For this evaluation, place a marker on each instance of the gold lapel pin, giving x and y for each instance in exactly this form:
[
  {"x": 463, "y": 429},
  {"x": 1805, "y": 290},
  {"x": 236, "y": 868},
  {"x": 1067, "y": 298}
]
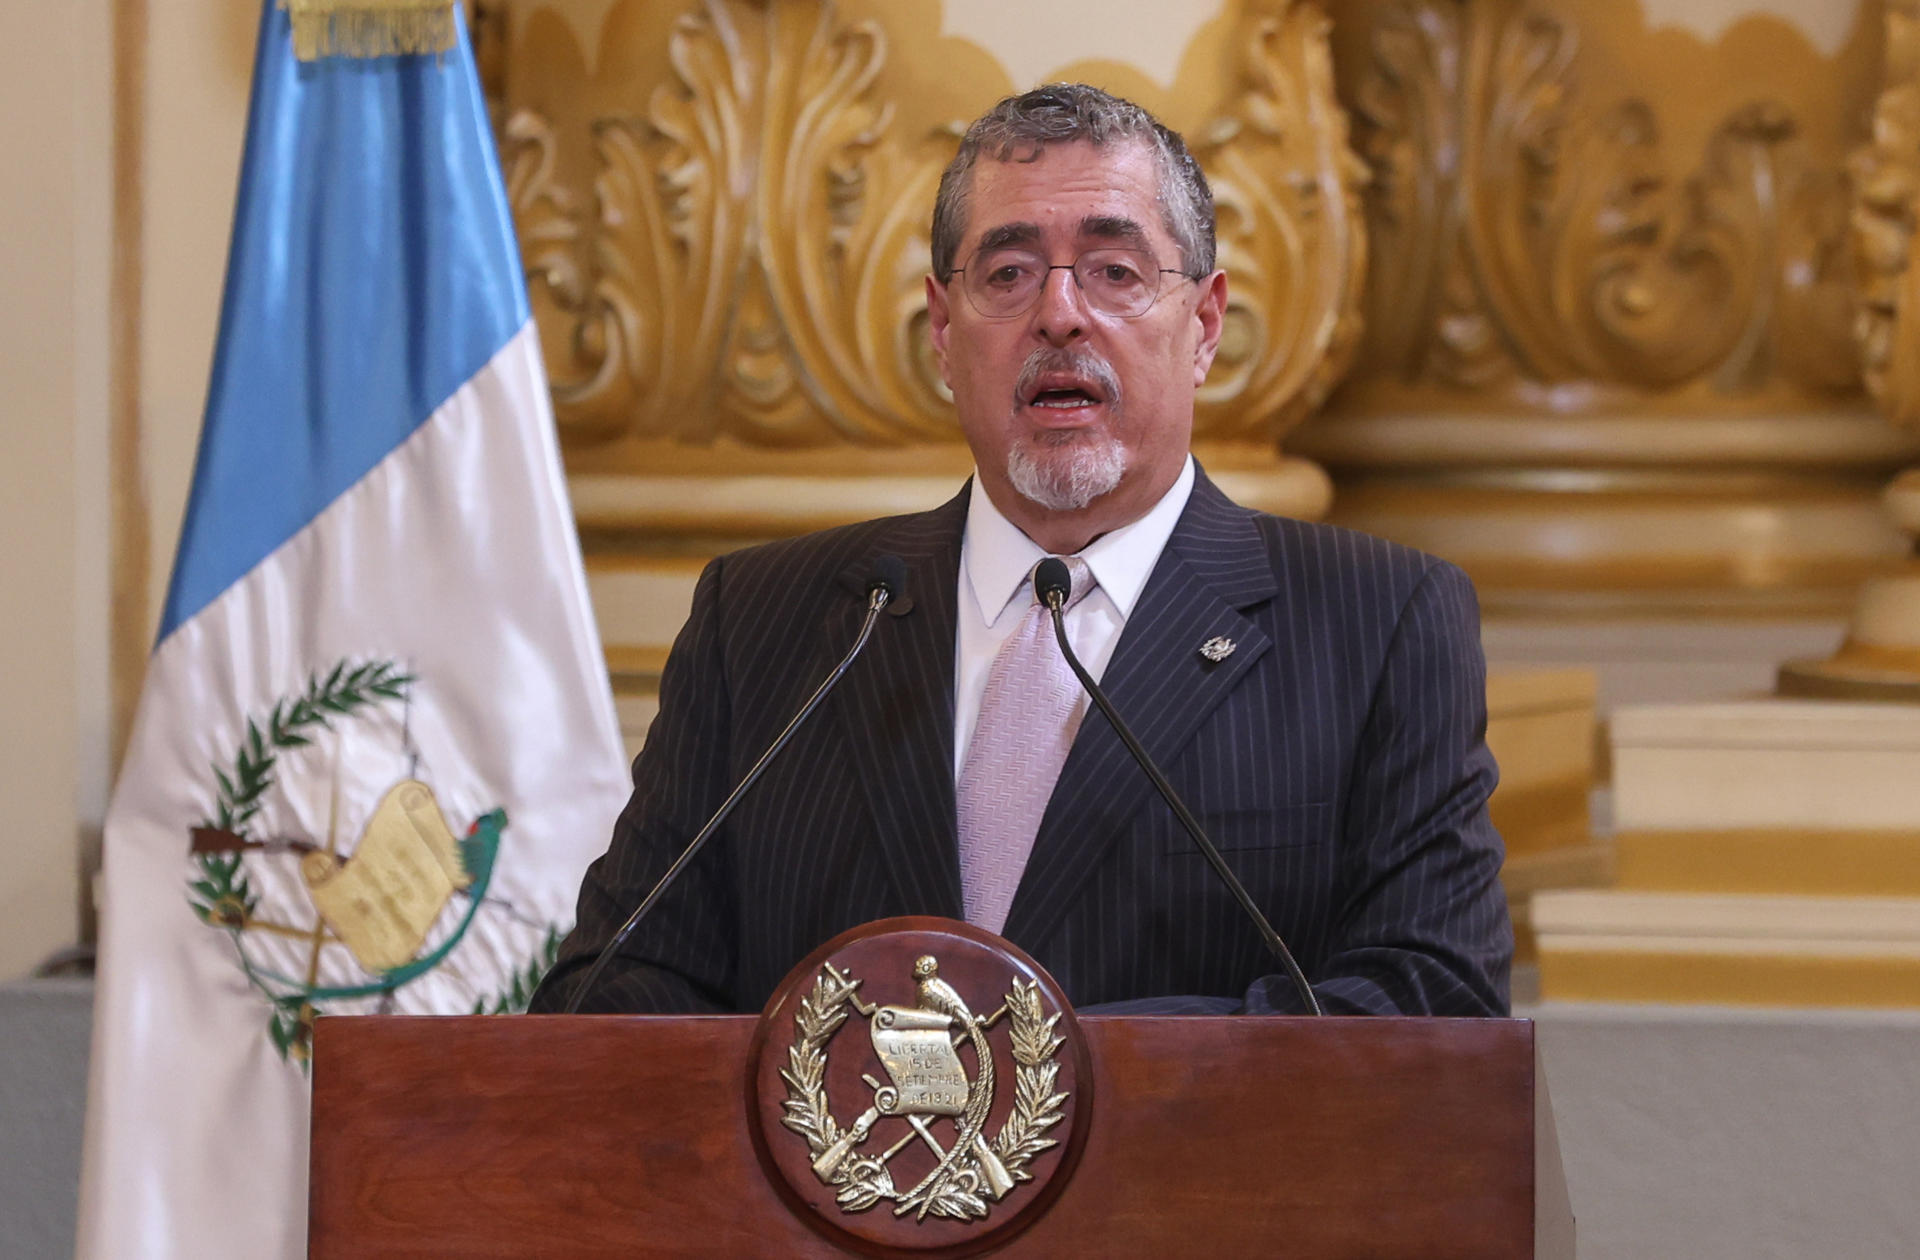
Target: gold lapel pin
[{"x": 1217, "y": 649}]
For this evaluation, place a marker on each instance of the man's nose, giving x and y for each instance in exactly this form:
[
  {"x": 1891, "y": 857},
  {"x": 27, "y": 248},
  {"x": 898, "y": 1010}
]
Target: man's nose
[{"x": 1060, "y": 317}]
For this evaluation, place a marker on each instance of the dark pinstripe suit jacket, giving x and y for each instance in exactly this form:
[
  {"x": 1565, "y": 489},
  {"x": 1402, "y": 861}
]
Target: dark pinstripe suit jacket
[{"x": 1336, "y": 757}]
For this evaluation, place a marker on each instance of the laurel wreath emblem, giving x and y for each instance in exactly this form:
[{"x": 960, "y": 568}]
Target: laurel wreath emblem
[{"x": 861, "y": 1180}]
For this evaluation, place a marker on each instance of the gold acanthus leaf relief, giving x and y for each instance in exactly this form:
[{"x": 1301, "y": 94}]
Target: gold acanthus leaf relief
[
  {"x": 1291, "y": 231},
  {"x": 1886, "y": 206},
  {"x": 749, "y": 259},
  {"x": 1518, "y": 235}
]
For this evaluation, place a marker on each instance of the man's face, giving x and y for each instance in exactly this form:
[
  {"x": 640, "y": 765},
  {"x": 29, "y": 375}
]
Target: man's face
[{"x": 1079, "y": 420}]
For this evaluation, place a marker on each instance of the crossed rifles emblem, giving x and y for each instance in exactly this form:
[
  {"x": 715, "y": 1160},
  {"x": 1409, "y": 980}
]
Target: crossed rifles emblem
[{"x": 919, "y": 1048}]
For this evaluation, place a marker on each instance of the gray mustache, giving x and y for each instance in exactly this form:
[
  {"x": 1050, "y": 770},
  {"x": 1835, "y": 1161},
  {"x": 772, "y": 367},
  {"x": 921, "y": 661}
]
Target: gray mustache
[{"x": 1085, "y": 364}]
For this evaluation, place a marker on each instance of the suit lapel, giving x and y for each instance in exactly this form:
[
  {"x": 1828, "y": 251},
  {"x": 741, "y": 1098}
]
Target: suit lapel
[
  {"x": 1214, "y": 566},
  {"x": 898, "y": 719}
]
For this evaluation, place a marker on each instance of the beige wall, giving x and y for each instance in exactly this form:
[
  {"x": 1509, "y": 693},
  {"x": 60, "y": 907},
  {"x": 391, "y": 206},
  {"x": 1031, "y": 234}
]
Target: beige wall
[
  {"x": 55, "y": 77},
  {"x": 57, "y": 68},
  {"x": 1826, "y": 22},
  {"x": 199, "y": 66},
  {"x": 1033, "y": 41}
]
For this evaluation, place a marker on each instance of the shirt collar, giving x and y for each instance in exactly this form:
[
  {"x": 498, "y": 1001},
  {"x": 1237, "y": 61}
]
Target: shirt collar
[{"x": 997, "y": 557}]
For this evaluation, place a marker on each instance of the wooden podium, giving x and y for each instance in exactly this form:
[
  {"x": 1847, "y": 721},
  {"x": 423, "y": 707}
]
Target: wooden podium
[
  {"x": 626, "y": 1135},
  {"x": 603, "y": 1135}
]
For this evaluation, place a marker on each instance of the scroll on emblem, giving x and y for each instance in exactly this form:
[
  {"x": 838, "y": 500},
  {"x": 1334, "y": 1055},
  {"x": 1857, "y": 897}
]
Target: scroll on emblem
[
  {"x": 916, "y": 1048},
  {"x": 382, "y": 900}
]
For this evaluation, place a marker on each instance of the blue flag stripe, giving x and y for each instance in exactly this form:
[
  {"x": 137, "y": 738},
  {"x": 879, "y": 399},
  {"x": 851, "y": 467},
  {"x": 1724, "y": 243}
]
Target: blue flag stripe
[{"x": 373, "y": 271}]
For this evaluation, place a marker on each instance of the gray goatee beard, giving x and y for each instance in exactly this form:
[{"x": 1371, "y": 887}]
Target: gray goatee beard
[{"x": 1065, "y": 472}]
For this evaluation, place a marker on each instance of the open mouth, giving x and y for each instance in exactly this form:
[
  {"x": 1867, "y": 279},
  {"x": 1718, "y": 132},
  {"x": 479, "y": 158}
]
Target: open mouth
[
  {"x": 1063, "y": 391},
  {"x": 1064, "y": 399},
  {"x": 1067, "y": 385}
]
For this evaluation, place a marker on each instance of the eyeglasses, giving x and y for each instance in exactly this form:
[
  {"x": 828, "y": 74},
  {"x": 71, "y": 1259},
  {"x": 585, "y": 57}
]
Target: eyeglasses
[{"x": 1004, "y": 283}]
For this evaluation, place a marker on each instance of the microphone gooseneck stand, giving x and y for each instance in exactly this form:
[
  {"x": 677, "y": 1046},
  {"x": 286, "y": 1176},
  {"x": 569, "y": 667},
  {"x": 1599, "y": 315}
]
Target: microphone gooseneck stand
[
  {"x": 1053, "y": 583},
  {"x": 890, "y": 578}
]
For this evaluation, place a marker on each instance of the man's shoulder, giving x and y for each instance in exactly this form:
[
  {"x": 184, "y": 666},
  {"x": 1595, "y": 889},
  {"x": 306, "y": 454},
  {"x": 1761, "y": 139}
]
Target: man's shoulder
[
  {"x": 844, "y": 551},
  {"x": 1339, "y": 547},
  {"x": 1317, "y": 553},
  {"x": 1352, "y": 589}
]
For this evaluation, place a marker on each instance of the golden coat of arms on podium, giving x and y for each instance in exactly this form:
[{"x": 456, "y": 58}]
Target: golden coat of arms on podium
[
  {"x": 919, "y": 1047},
  {"x": 939, "y": 1118}
]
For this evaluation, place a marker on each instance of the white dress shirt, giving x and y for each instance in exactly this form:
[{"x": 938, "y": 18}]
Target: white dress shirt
[{"x": 995, "y": 561}]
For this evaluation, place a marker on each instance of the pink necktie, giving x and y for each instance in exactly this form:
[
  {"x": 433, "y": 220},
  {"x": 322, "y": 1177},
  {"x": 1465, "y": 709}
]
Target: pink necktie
[{"x": 1028, "y": 717}]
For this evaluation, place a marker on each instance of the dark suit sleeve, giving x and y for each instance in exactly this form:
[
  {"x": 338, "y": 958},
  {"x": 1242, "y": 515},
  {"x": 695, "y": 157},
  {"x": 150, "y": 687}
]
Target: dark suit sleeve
[
  {"x": 1421, "y": 925},
  {"x": 681, "y": 958}
]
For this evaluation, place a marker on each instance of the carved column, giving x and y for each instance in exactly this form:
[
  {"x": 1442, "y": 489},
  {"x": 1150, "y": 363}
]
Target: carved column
[
  {"x": 1881, "y": 655},
  {"x": 1610, "y": 356}
]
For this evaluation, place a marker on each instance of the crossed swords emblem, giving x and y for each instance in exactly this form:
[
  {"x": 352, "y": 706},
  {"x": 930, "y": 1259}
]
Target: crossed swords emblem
[{"x": 918, "y": 1045}]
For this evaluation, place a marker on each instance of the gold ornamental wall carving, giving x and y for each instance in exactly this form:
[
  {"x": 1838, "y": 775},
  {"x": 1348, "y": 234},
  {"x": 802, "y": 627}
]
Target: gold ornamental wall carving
[
  {"x": 1537, "y": 224},
  {"x": 1611, "y": 359},
  {"x": 1880, "y": 657},
  {"x": 1621, "y": 285},
  {"x": 724, "y": 207}
]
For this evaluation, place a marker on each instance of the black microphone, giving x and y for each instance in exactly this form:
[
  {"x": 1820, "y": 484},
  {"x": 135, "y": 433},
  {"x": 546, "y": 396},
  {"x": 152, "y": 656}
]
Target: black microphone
[
  {"x": 889, "y": 575},
  {"x": 888, "y": 583},
  {"x": 1052, "y": 585}
]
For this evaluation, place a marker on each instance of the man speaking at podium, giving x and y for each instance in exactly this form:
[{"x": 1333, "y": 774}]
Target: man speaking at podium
[{"x": 1315, "y": 696}]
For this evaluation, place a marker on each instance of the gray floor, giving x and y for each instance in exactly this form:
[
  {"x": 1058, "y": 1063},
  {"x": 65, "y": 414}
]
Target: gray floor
[
  {"x": 44, "y": 1026},
  {"x": 1707, "y": 1132},
  {"x": 1695, "y": 1133}
]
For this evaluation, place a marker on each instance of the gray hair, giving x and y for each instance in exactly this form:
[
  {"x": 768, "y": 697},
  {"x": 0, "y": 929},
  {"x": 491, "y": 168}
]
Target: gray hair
[{"x": 1020, "y": 128}]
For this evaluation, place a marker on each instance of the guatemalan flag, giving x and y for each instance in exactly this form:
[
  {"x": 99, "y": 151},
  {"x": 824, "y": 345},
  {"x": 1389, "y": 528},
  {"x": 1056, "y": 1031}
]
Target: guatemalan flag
[{"x": 376, "y": 747}]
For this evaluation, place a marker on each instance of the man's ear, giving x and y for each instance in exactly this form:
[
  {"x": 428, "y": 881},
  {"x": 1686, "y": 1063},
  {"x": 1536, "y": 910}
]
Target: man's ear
[
  {"x": 937, "y": 324},
  {"x": 1209, "y": 317}
]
